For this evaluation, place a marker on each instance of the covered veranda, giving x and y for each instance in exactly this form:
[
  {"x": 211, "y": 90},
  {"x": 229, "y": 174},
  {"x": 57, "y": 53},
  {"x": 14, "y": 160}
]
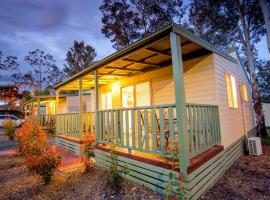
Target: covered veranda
[{"x": 139, "y": 103}]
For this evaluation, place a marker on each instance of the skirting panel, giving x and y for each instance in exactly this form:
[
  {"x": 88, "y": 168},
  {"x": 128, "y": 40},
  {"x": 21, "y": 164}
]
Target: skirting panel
[
  {"x": 145, "y": 174},
  {"x": 68, "y": 145},
  {"x": 199, "y": 181},
  {"x": 203, "y": 178}
]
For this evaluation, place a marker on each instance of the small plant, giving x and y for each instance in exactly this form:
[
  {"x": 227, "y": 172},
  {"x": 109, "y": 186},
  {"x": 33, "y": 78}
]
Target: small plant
[
  {"x": 9, "y": 128},
  {"x": 116, "y": 172},
  {"x": 175, "y": 188},
  {"x": 33, "y": 145},
  {"x": 89, "y": 154},
  {"x": 44, "y": 165}
]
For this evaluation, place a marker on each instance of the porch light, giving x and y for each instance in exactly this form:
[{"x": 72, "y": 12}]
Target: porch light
[{"x": 115, "y": 87}]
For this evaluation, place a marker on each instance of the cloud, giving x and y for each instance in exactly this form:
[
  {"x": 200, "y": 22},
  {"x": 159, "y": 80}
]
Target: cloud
[{"x": 51, "y": 26}]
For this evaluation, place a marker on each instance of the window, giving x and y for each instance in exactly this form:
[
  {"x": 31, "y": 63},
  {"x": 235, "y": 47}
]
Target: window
[
  {"x": 143, "y": 94},
  {"x": 127, "y": 97},
  {"x": 244, "y": 92},
  {"x": 231, "y": 90},
  {"x": 106, "y": 100}
]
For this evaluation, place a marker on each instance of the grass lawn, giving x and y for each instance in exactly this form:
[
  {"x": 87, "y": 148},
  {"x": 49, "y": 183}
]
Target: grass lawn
[{"x": 266, "y": 141}]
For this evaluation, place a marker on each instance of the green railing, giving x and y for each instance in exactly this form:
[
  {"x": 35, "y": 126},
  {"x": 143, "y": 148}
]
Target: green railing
[
  {"x": 47, "y": 121},
  {"x": 69, "y": 124},
  {"x": 153, "y": 129},
  {"x": 203, "y": 127},
  {"x": 150, "y": 129}
]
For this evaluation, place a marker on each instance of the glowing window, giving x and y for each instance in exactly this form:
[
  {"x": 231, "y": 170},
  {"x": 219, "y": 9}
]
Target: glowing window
[
  {"x": 244, "y": 92},
  {"x": 143, "y": 94},
  {"x": 231, "y": 90},
  {"x": 106, "y": 100}
]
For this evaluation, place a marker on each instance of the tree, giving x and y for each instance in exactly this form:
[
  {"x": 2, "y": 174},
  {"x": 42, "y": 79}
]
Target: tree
[
  {"x": 233, "y": 22},
  {"x": 9, "y": 94},
  {"x": 43, "y": 71},
  {"x": 126, "y": 21},
  {"x": 79, "y": 57},
  {"x": 9, "y": 64},
  {"x": 266, "y": 15},
  {"x": 264, "y": 80}
]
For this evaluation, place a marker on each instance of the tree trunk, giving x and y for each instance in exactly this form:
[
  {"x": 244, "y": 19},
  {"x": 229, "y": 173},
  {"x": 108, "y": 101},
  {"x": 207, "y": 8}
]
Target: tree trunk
[
  {"x": 257, "y": 105},
  {"x": 266, "y": 16}
]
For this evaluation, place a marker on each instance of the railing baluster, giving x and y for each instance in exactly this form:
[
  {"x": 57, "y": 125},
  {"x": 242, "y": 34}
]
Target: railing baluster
[
  {"x": 171, "y": 129},
  {"x": 121, "y": 128},
  {"x": 127, "y": 128},
  {"x": 146, "y": 131},
  {"x": 112, "y": 127},
  {"x": 133, "y": 129},
  {"x": 162, "y": 131},
  {"x": 154, "y": 130},
  {"x": 117, "y": 126},
  {"x": 139, "y": 129}
]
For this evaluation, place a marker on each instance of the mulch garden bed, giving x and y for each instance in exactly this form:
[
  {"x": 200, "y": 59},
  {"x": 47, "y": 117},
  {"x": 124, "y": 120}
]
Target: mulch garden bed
[
  {"x": 16, "y": 182},
  {"x": 247, "y": 178}
]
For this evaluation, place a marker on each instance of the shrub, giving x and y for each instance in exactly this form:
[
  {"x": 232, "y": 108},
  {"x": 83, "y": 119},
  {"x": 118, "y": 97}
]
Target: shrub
[
  {"x": 116, "y": 172},
  {"x": 175, "y": 188},
  {"x": 89, "y": 153},
  {"x": 33, "y": 145},
  {"x": 9, "y": 128},
  {"x": 44, "y": 164},
  {"x": 32, "y": 139}
]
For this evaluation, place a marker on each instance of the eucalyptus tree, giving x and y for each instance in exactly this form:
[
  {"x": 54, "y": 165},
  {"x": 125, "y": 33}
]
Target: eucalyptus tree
[
  {"x": 125, "y": 21},
  {"x": 79, "y": 57},
  {"x": 236, "y": 23},
  {"x": 42, "y": 71}
]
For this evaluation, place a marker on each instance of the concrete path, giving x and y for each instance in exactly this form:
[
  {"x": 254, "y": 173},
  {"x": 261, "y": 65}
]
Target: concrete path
[{"x": 5, "y": 143}]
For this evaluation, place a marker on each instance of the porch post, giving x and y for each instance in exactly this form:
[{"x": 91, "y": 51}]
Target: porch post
[
  {"x": 38, "y": 106},
  {"x": 80, "y": 108},
  {"x": 96, "y": 106},
  {"x": 56, "y": 111},
  {"x": 179, "y": 89}
]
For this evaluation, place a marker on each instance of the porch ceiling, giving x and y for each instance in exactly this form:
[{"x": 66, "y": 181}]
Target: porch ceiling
[{"x": 150, "y": 57}]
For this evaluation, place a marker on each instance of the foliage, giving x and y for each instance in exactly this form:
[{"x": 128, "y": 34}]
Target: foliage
[
  {"x": 79, "y": 57},
  {"x": 266, "y": 141},
  {"x": 236, "y": 23},
  {"x": 32, "y": 139},
  {"x": 89, "y": 154},
  {"x": 9, "y": 94},
  {"x": 126, "y": 21},
  {"x": 44, "y": 165},
  {"x": 264, "y": 80},
  {"x": 43, "y": 71},
  {"x": 33, "y": 145},
  {"x": 219, "y": 22},
  {"x": 116, "y": 172},
  {"x": 9, "y": 128},
  {"x": 9, "y": 64},
  {"x": 175, "y": 188}
]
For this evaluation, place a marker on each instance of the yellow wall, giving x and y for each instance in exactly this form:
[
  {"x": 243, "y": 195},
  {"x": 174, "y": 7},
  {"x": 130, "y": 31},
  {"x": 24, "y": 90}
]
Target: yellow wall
[
  {"x": 232, "y": 120},
  {"x": 198, "y": 78}
]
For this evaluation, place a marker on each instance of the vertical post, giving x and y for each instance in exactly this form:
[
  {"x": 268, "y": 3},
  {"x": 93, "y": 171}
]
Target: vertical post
[
  {"x": 80, "y": 108},
  {"x": 96, "y": 106},
  {"x": 179, "y": 89},
  {"x": 56, "y": 111},
  {"x": 38, "y": 109}
]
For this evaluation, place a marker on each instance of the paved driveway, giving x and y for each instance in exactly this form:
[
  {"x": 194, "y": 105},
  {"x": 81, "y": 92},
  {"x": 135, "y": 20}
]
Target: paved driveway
[{"x": 5, "y": 143}]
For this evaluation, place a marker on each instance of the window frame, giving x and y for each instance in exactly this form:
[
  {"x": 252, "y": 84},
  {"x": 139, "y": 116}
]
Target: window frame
[
  {"x": 232, "y": 93},
  {"x": 244, "y": 92}
]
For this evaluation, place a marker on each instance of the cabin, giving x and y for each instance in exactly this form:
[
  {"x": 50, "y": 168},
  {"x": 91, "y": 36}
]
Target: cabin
[
  {"x": 170, "y": 93},
  {"x": 43, "y": 107}
]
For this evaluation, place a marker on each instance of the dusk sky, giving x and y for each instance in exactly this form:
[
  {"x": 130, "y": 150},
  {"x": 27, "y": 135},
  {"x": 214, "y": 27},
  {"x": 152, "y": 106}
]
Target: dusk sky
[{"x": 53, "y": 25}]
